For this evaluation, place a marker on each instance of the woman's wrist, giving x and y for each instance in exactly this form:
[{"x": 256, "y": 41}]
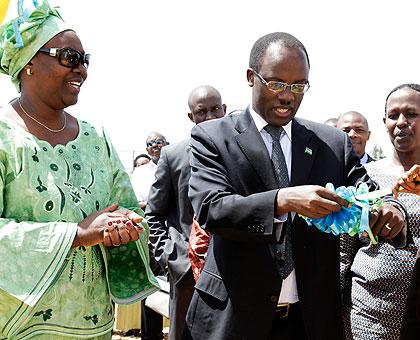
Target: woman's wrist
[{"x": 76, "y": 240}]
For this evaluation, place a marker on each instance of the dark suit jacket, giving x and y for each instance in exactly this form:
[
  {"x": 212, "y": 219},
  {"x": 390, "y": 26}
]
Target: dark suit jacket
[
  {"x": 233, "y": 190},
  {"x": 169, "y": 211}
]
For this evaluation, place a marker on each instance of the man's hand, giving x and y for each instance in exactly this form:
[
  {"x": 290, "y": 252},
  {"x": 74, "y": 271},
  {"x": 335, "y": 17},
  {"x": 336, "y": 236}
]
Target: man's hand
[
  {"x": 311, "y": 201},
  {"x": 409, "y": 181},
  {"x": 387, "y": 221}
]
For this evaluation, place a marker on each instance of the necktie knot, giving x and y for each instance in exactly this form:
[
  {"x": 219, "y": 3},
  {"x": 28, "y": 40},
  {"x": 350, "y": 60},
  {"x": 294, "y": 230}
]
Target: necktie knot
[{"x": 274, "y": 131}]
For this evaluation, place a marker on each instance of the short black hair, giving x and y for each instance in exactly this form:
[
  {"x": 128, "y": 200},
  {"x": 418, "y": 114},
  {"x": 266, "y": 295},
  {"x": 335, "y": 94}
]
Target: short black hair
[
  {"x": 413, "y": 86},
  {"x": 261, "y": 45},
  {"x": 143, "y": 155},
  {"x": 353, "y": 113}
]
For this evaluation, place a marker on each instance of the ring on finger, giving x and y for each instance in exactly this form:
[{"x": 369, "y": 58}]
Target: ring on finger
[{"x": 387, "y": 226}]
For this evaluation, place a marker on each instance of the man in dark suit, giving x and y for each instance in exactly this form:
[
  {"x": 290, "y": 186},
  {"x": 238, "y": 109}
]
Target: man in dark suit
[
  {"x": 169, "y": 211},
  {"x": 267, "y": 274},
  {"x": 357, "y": 128}
]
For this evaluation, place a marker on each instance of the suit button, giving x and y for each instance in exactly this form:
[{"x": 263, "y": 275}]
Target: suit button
[{"x": 273, "y": 298}]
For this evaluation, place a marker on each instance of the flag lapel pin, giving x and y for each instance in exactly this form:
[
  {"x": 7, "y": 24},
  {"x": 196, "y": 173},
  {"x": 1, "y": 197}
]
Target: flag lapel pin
[{"x": 308, "y": 151}]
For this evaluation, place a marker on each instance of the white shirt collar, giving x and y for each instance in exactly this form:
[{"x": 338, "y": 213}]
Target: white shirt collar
[
  {"x": 261, "y": 123},
  {"x": 364, "y": 159}
]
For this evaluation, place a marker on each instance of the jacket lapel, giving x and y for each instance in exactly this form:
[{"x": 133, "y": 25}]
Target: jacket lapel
[
  {"x": 252, "y": 145},
  {"x": 304, "y": 149}
]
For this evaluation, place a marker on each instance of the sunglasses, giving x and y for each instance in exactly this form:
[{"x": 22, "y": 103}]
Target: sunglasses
[
  {"x": 155, "y": 142},
  {"x": 68, "y": 57}
]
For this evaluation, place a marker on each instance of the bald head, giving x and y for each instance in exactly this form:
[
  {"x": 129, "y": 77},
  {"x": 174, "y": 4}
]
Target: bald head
[
  {"x": 353, "y": 115},
  {"x": 356, "y": 126},
  {"x": 205, "y": 103}
]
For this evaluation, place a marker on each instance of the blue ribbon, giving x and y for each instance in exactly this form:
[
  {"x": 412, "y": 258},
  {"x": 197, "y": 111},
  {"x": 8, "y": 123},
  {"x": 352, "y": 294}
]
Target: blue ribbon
[
  {"x": 353, "y": 220},
  {"x": 23, "y": 16}
]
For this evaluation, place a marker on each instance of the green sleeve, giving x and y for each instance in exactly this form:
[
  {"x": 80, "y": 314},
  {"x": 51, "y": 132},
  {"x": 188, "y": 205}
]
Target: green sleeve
[{"x": 130, "y": 261}]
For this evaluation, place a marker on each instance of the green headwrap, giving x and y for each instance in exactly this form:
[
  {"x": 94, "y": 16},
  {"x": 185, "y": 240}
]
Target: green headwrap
[{"x": 34, "y": 32}]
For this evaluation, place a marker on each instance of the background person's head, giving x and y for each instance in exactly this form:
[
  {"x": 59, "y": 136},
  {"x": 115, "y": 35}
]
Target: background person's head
[
  {"x": 140, "y": 160},
  {"x": 154, "y": 144},
  {"x": 276, "y": 60},
  {"x": 205, "y": 103},
  {"x": 402, "y": 121},
  {"x": 331, "y": 122},
  {"x": 357, "y": 128}
]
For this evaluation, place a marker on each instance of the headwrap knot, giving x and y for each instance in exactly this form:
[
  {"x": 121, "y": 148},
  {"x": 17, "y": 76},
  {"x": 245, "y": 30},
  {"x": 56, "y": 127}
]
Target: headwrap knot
[{"x": 22, "y": 37}]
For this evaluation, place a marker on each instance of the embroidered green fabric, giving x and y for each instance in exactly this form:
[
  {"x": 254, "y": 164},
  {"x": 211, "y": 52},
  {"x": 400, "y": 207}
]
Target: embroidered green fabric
[{"x": 45, "y": 286}]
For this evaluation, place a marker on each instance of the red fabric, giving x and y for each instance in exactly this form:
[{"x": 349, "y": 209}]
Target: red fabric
[{"x": 198, "y": 245}]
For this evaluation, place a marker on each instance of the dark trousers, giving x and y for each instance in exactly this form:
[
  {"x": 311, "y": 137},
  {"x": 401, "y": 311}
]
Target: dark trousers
[
  {"x": 179, "y": 301},
  {"x": 151, "y": 323},
  {"x": 290, "y": 327}
]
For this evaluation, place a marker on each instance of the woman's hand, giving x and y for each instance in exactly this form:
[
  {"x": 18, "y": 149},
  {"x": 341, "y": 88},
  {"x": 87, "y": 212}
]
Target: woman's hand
[
  {"x": 387, "y": 222},
  {"x": 108, "y": 226},
  {"x": 408, "y": 182},
  {"x": 123, "y": 230}
]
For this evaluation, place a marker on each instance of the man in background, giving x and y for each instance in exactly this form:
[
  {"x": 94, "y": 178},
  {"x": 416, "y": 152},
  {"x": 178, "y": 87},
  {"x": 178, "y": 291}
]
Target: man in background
[
  {"x": 169, "y": 211},
  {"x": 143, "y": 176},
  {"x": 140, "y": 160},
  {"x": 357, "y": 128},
  {"x": 142, "y": 179}
]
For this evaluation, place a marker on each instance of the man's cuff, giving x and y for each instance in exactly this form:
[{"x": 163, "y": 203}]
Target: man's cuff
[{"x": 280, "y": 219}]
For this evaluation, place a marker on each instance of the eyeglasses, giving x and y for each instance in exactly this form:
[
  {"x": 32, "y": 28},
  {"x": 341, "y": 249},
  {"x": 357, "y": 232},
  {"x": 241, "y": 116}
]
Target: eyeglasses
[
  {"x": 156, "y": 141},
  {"x": 279, "y": 86},
  {"x": 68, "y": 57}
]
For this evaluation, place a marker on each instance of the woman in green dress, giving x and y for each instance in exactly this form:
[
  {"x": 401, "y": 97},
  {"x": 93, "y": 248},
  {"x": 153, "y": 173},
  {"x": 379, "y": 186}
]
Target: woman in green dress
[{"x": 71, "y": 235}]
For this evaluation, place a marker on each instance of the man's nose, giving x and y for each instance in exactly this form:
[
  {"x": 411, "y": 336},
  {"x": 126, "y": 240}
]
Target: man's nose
[
  {"x": 352, "y": 133},
  {"x": 401, "y": 121},
  {"x": 285, "y": 96},
  {"x": 210, "y": 115}
]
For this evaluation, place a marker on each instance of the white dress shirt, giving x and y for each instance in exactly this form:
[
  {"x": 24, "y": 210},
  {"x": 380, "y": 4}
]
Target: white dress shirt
[
  {"x": 364, "y": 159},
  {"x": 142, "y": 179},
  {"x": 288, "y": 292}
]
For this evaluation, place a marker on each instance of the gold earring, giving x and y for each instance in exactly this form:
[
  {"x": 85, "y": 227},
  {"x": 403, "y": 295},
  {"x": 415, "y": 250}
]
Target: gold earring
[{"x": 28, "y": 71}]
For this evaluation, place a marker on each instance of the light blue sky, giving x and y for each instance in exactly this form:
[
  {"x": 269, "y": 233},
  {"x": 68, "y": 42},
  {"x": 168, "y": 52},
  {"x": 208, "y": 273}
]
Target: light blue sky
[{"x": 148, "y": 55}]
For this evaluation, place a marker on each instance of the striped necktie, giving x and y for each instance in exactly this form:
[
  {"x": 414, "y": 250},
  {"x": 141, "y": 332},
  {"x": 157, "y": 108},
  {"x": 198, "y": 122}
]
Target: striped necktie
[{"x": 281, "y": 251}]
